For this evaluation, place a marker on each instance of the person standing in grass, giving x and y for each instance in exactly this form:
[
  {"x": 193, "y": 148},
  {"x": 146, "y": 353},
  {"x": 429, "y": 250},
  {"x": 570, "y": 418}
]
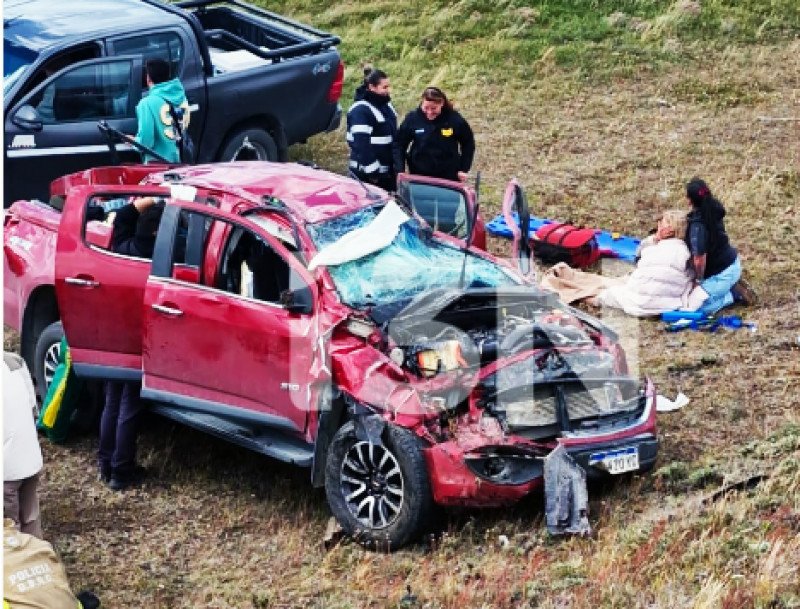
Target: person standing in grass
[
  {"x": 371, "y": 128},
  {"x": 716, "y": 263},
  {"x": 441, "y": 141}
]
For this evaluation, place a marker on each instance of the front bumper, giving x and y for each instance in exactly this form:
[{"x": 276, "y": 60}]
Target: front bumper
[{"x": 466, "y": 476}]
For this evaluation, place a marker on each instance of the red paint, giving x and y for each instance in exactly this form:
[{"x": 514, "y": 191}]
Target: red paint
[{"x": 251, "y": 356}]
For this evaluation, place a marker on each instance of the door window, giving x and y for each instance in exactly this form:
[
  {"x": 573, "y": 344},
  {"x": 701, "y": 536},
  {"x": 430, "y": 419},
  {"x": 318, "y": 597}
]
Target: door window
[
  {"x": 167, "y": 46},
  {"x": 87, "y": 93},
  {"x": 445, "y": 209},
  {"x": 133, "y": 235}
]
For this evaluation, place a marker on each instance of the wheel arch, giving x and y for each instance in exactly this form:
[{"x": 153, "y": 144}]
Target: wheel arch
[
  {"x": 265, "y": 122},
  {"x": 41, "y": 311}
]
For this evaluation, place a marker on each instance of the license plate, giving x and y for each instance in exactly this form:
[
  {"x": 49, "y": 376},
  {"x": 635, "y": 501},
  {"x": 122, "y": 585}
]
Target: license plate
[{"x": 616, "y": 461}]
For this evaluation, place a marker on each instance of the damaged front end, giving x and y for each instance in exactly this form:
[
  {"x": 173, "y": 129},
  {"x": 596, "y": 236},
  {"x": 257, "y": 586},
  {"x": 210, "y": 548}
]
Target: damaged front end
[{"x": 493, "y": 380}]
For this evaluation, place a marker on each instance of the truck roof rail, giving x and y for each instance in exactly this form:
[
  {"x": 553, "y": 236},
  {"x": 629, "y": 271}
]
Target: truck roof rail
[{"x": 262, "y": 12}]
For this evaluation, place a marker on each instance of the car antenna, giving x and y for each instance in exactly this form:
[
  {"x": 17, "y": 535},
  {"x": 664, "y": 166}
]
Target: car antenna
[
  {"x": 472, "y": 220},
  {"x": 372, "y": 195}
]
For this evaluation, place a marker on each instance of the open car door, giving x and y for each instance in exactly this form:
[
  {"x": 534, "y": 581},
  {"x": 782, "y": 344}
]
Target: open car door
[
  {"x": 100, "y": 291},
  {"x": 449, "y": 207}
]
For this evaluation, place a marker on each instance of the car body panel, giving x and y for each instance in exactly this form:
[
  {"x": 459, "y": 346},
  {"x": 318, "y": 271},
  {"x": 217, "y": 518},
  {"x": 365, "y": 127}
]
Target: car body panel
[{"x": 490, "y": 373}]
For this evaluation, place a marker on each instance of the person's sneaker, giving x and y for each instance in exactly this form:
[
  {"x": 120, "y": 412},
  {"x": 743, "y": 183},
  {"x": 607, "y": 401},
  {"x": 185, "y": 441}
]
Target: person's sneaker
[
  {"x": 104, "y": 474},
  {"x": 744, "y": 293},
  {"x": 125, "y": 479}
]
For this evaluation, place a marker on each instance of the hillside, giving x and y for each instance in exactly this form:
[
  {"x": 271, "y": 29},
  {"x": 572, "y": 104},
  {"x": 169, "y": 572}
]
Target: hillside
[{"x": 603, "y": 110}]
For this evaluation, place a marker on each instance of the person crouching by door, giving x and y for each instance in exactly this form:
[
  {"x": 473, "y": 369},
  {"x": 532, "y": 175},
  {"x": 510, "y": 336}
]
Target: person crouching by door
[
  {"x": 371, "y": 128},
  {"x": 442, "y": 143}
]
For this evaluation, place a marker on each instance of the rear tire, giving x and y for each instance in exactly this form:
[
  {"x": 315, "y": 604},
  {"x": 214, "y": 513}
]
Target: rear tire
[
  {"x": 46, "y": 356},
  {"x": 262, "y": 146},
  {"x": 379, "y": 494}
]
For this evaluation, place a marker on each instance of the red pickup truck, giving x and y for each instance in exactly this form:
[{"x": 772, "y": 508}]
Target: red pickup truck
[{"x": 320, "y": 321}]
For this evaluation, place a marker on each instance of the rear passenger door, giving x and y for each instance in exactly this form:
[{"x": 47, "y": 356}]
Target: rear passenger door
[
  {"x": 220, "y": 336},
  {"x": 99, "y": 291},
  {"x": 53, "y": 130}
]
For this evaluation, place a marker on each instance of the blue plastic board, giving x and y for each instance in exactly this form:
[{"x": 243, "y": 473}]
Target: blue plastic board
[{"x": 620, "y": 246}]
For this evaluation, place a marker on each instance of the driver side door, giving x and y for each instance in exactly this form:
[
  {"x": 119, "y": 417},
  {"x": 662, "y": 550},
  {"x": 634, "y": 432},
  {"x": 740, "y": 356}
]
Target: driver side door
[{"x": 53, "y": 130}]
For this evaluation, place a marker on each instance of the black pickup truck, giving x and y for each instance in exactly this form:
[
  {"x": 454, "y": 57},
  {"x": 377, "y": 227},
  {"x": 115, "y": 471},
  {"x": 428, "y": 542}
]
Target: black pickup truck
[{"x": 252, "y": 78}]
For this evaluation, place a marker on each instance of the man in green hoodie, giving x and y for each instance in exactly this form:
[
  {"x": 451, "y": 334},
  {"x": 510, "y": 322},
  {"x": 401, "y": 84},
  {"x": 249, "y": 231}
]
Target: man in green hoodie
[{"x": 156, "y": 129}]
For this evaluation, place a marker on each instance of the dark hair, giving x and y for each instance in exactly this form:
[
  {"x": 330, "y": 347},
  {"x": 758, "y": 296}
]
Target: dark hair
[
  {"x": 700, "y": 195},
  {"x": 435, "y": 94},
  {"x": 157, "y": 69},
  {"x": 149, "y": 219},
  {"x": 372, "y": 76}
]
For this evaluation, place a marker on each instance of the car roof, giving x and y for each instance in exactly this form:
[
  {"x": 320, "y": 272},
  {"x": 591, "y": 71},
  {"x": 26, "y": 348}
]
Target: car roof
[
  {"x": 40, "y": 24},
  {"x": 312, "y": 195}
]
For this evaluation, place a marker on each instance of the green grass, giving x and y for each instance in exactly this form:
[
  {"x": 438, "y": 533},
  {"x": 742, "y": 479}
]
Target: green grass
[{"x": 603, "y": 110}]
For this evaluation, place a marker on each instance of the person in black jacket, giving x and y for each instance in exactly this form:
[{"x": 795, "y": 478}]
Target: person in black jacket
[
  {"x": 716, "y": 263},
  {"x": 442, "y": 143},
  {"x": 135, "y": 228},
  {"x": 371, "y": 128}
]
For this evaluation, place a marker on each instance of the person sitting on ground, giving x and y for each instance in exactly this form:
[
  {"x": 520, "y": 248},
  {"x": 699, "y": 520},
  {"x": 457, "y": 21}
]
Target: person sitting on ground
[
  {"x": 717, "y": 266},
  {"x": 442, "y": 143},
  {"x": 135, "y": 229},
  {"x": 662, "y": 280}
]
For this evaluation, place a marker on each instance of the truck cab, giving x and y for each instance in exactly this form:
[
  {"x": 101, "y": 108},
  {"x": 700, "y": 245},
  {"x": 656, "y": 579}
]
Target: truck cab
[{"x": 68, "y": 66}]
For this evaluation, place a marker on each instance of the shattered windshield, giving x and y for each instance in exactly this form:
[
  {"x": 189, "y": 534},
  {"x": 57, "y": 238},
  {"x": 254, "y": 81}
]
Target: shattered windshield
[{"x": 414, "y": 262}]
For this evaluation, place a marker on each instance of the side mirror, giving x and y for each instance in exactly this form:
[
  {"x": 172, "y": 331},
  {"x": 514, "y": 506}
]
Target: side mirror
[
  {"x": 28, "y": 118},
  {"x": 298, "y": 301}
]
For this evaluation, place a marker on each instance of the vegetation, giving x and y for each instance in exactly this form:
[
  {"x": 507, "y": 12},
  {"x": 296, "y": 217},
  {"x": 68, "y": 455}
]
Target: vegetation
[{"x": 603, "y": 110}]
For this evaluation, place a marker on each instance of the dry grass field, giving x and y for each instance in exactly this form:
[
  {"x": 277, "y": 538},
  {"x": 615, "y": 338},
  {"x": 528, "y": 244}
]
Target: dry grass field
[{"x": 602, "y": 123}]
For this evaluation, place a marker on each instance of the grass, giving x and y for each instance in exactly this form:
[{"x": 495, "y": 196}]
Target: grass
[{"x": 603, "y": 110}]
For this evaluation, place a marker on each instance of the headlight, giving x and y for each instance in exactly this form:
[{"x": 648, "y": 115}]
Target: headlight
[{"x": 442, "y": 357}]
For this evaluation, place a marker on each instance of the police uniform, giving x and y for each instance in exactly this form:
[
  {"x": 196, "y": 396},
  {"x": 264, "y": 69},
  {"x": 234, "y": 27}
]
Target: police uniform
[
  {"x": 439, "y": 148},
  {"x": 33, "y": 576},
  {"x": 371, "y": 128}
]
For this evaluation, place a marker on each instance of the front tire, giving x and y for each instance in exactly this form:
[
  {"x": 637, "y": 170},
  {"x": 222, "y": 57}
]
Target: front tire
[
  {"x": 46, "y": 357},
  {"x": 251, "y": 144},
  {"x": 379, "y": 493}
]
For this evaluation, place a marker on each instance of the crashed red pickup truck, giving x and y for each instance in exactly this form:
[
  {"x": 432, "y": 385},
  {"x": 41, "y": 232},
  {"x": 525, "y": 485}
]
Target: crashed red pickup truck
[{"x": 319, "y": 321}]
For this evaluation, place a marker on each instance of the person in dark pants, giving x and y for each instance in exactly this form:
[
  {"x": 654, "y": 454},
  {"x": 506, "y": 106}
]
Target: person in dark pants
[
  {"x": 135, "y": 227},
  {"x": 371, "y": 127},
  {"x": 441, "y": 141}
]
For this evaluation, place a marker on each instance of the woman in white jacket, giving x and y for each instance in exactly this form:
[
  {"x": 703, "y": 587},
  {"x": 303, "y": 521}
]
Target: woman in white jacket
[
  {"x": 661, "y": 282},
  {"x": 663, "y": 277}
]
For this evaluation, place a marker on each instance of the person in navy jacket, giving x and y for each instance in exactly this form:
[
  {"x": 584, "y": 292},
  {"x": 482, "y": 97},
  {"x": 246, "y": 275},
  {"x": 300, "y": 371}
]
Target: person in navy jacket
[
  {"x": 371, "y": 128},
  {"x": 442, "y": 143}
]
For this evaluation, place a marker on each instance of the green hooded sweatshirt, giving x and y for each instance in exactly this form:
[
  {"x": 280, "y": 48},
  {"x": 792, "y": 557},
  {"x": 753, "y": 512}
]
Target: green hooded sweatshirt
[{"x": 155, "y": 122}]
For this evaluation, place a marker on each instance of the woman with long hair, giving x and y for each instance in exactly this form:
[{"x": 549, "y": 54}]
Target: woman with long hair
[
  {"x": 716, "y": 263},
  {"x": 441, "y": 142}
]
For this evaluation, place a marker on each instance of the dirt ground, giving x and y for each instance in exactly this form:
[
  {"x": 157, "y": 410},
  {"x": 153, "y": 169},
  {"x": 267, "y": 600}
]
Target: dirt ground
[{"x": 216, "y": 526}]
